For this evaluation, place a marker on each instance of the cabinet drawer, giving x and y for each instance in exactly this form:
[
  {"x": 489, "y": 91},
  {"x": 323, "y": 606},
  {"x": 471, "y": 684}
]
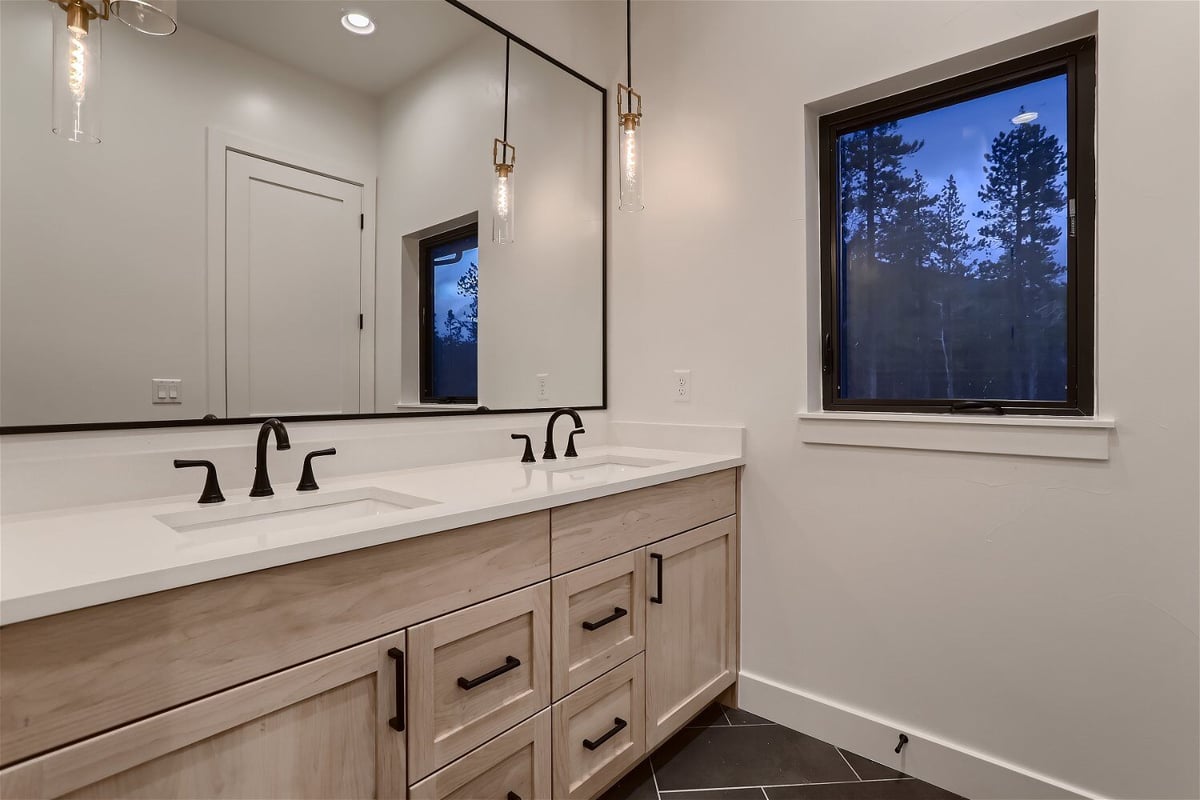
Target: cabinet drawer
[
  {"x": 475, "y": 673},
  {"x": 599, "y": 620},
  {"x": 514, "y": 763},
  {"x": 587, "y": 532},
  {"x": 599, "y": 732}
]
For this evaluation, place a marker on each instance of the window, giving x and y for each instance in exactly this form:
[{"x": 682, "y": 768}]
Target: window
[
  {"x": 450, "y": 316},
  {"x": 957, "y": 225}
]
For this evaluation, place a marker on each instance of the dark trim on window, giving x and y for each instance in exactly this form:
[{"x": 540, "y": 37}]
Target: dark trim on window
[
  {"x": 426, "y": 290},
  {"x": 77, "y": 427},
  {"x": 1078, "y": 60}
]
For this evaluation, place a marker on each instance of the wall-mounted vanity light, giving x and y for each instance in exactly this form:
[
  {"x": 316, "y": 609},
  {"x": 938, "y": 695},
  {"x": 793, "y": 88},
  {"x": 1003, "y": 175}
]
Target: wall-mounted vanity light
[
  {"x": 75, "y": 101},
  {"x": 630, "y": 119},
  {"x": 504, "y": 160}
]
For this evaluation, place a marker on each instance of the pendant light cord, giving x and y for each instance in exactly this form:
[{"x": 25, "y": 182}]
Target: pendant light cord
[
  {"x": 507, "y": 49},
  {"x": 629, "y": 40}
]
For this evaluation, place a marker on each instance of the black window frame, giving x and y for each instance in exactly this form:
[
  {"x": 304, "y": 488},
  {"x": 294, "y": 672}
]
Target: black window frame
[
  {"x": 1078, "y": 58},
  {"x": 427, "y": 322}
]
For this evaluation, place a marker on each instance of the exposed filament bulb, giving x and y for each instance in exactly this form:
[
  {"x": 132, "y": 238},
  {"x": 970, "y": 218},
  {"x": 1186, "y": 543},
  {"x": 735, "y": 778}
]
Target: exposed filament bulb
[{"x": 77, "y": 65}]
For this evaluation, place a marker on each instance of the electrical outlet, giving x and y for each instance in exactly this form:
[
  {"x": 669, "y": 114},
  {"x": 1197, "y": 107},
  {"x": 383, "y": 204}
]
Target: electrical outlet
[
  {"x": 681, "y": 388},
  {"x": 543, "y": 387},
  {"x": 166, "y": 390}
]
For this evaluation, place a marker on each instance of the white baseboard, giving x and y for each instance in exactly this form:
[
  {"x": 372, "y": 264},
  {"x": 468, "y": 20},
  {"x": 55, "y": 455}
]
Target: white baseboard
[{"x": 952, "y": 766}]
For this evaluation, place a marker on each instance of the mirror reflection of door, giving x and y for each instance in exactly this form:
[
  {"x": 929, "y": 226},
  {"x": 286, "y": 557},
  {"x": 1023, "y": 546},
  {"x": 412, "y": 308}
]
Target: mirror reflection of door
[{"x": 293, "y": 250}]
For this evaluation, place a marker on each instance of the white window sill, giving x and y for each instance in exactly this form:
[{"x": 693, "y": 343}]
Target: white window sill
[{"x": 1048, "y": 437}]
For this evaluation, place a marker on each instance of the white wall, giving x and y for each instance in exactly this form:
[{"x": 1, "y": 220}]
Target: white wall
[
  {"x": 117, "y": 297},
  {"x": 1039, "y": 612},
  {"x": 540, "y": 297}
]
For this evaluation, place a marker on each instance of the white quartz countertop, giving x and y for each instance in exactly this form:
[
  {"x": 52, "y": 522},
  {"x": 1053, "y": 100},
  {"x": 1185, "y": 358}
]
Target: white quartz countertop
[{"x": 55, "y": 561}]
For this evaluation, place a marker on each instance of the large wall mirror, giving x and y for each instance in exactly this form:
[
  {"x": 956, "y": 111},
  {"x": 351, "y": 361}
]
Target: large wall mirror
[{"x": 287, "y": 217}]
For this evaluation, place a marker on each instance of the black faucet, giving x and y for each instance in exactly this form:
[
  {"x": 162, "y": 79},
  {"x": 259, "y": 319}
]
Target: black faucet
[
  {"x": 262, "y": 481},
  {"x": 549, "y": 454}
]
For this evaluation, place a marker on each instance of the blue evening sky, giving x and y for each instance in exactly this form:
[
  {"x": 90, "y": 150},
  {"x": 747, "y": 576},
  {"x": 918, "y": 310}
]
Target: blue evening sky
[
  {"x": 957, "y": 137},
  {"x": 445, "y": 287}
]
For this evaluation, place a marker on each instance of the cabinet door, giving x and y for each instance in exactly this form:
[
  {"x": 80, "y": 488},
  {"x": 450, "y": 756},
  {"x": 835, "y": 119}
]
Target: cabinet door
[
  {"x": 325, "y": 729},
  {"x": 515, "y": 763},
  {"x": 691, "y": 607}
]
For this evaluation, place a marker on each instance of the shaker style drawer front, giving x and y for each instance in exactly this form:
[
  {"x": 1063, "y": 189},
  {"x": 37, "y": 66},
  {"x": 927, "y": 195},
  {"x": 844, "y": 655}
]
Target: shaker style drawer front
[
  {"x": 599, "y": 732},
  {"x": 515, "y": 764},
  {"x": 587, "y": 532},
  {"x": 599, "y": 620},
  {"x": 475, "y": 673}
]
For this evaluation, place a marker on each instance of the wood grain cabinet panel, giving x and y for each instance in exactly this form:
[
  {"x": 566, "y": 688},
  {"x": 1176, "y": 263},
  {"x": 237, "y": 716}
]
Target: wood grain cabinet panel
[
  {"x": 321, "y": 730},
  {"x": 587, "y": 532},
  {"x": 68, "y": 676},
  {"x": 516, "y": 762},
  {"x": 598, "y": 618},
  {"x": 691, "y": 624},
  {"x": 599, "y": 732},
  {"x": 475, "y": 673}
]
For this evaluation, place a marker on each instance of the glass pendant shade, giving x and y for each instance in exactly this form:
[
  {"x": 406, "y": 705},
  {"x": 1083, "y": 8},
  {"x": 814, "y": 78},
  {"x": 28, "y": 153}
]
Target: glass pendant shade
[
  {"x": 631, "y": 169},
  {"x": 153, "y": 17},
  {"x": 76, "y": 94},
  {"x": 503, "y": 222}
]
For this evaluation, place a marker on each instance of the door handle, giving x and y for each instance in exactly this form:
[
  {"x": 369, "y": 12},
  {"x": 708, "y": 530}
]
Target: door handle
[
  {"x": 658, "y": 598},
  {"x": 510, "y": 663},
  {"x": 397, "y": 722},
  {"x": 617, "y": 613},
  {"x": 618, "y": 726}
]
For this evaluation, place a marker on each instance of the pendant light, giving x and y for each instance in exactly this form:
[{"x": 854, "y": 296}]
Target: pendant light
[
  {"x": 630, "y": 118},
  {"x": 504, "y": 160},
  {"x": 76, "y": 89}
]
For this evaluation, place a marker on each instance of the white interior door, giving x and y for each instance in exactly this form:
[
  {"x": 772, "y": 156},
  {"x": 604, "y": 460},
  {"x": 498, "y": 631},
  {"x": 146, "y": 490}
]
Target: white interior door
[{"x": 293, "y": 250}]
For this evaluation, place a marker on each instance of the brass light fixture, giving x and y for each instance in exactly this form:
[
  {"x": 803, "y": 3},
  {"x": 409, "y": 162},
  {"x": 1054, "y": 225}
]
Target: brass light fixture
[
  {"x": 76, "y": 92},
  {"x": 629, "y": 117},
  {"x": 504, "y": 160}
]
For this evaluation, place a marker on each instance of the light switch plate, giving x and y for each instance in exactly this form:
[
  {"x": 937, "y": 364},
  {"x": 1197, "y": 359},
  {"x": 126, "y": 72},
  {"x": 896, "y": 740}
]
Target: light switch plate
[{"x": 167, "y": 391}]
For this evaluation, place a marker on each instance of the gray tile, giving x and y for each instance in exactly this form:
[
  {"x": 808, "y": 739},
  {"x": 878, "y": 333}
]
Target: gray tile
[
  {"x": 739, "y": 717},
  {"x": 713, "y": 715},
  {"x": 718, "y": 794},
  {"x": 870, "y": 770},
  {"x": 748, "y": 755},
  {"x": 637, "y": 785},
  {"x": 901, "y": 789}
]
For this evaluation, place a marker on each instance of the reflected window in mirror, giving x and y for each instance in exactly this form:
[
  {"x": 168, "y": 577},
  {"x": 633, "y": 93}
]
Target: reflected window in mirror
[{"x": 450, "y": 316}]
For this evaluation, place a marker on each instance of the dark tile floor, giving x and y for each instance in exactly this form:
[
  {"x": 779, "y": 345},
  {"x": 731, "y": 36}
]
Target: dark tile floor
[{"x": 727, "y": 754}]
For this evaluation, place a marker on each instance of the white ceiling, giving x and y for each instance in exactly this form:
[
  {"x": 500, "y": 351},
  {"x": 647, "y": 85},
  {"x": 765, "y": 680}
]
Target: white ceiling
[{"x": 308, "y": 35}]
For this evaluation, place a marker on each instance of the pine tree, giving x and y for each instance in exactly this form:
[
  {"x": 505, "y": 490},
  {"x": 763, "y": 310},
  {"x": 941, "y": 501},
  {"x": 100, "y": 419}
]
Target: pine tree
[
  {"x": 951, "y": 254},
  {"x": 872, "y": 177}
]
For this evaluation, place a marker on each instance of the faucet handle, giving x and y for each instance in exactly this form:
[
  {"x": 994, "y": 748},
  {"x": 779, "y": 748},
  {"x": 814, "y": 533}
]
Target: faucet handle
[
  {"x": 527, "y": 458},
  {"x": 571, "y": 443},
  {"x": 212, "y": 489},
  {"x": 308, "y": 481}
]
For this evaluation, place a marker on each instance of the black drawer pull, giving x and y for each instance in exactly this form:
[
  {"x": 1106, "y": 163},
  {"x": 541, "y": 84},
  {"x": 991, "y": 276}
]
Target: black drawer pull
[
  {"x": 618, "y": 726},
  {"x": 510, "y": 663},
  {"x": 397, "y": 722},
  {"x": 514, "y": 796},
  {"x": 658, "y": 559},
  {"x": 617, "y": 613}
]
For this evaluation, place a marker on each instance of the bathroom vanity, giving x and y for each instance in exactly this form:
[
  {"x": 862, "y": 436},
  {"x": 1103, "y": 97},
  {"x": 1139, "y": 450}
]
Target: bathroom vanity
[{"x": 538, "y": 654}]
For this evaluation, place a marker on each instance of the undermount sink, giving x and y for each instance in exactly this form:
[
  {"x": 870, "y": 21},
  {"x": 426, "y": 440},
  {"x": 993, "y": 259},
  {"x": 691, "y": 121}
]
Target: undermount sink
[
  {"x": 615, "y": 465},
  {"x": 289, "y": 513}
]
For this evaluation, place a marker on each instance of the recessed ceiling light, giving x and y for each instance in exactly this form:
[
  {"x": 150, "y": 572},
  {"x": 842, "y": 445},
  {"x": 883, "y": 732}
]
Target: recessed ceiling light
[
  {"x": 356, "y": 22},
  {"x": 1024, "y": 116}
]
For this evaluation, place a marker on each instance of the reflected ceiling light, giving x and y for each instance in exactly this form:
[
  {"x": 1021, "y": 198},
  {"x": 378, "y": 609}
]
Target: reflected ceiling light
[
  {"x": 631, "y": 161},
  {"x": 504, "y": 160},
  {"x": 357, "y": 22},
  {"x": 75, "y": 91},
  {"x": 152, "y": 17},
  {"x": 1024, "y": 116}
]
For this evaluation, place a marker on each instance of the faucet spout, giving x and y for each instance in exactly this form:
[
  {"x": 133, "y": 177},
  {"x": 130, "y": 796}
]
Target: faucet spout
[
  {"x": 262, "y": 481},
  {"x": 549, "y": 454}
]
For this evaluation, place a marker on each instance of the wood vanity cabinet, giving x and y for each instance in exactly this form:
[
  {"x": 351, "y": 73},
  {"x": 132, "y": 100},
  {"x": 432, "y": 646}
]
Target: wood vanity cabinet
[
  {"x": 535, "y": 656},
  {"x": 321, "y": 730}
]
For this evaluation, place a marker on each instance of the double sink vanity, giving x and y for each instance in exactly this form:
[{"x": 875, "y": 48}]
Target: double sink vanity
[{"x": 483, "y": 629}]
